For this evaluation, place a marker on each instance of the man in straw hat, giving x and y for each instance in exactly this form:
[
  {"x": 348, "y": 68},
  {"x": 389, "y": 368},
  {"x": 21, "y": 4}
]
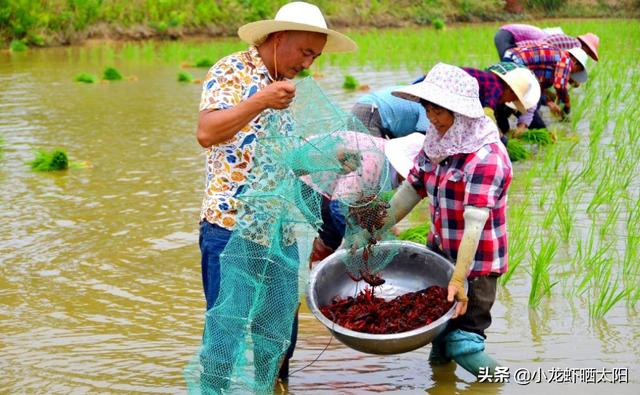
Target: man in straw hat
[
  {"x": 465, "y": 171},
  {"x": 555, "y": 68},
  {"x": 239, "y": 93}
]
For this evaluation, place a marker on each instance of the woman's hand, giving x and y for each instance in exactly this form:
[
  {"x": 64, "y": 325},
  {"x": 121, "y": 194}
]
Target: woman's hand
[{"x": 455, "y": 290}]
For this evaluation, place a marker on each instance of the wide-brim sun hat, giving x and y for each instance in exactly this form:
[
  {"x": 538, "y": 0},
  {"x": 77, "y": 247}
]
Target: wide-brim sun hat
[
  {"x": 592, "y": 42},
  {"x": 401, "y": 151},
  {"x": 521, "y": 81},
  {"x": 300, "y": 16},
  {"x": 449, "y": 87},
  {"x": 581, "y": 56}
]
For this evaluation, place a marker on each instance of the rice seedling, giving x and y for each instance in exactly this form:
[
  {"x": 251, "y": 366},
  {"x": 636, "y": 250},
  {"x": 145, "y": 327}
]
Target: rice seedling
[
  {"x": 303, "y": 73},
  {"x": 566, "y": 216},
  {"x": 50, "y": 161},
  {"x": 86, "y": 78},
  {"x": 541, "y": 284},
  {"x": 111, "y": 74},
  {"x": 536, "y": 136},
  {"x": 350, "y": 83},
  {"x": 517, "y": 151},
  {"x": 204, "y": 63},
  {"x": 417, "y": 234},
  {"x": 185, "y": 76},
  {"x": 607, "y": 292}
]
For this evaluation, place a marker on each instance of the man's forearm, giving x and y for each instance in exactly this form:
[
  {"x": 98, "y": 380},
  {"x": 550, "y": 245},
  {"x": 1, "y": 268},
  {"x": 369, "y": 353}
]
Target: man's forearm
[{"x": 217, "y": 126}]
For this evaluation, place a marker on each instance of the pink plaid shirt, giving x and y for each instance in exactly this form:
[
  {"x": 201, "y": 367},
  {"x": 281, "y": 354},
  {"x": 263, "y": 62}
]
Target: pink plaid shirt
[
  {"x": 561, "y": 41},
  {"x": 478, "y": 179}
]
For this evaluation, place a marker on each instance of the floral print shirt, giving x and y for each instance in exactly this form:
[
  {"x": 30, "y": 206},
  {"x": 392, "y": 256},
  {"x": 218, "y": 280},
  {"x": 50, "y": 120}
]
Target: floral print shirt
[{"x": 229, "y": 164}]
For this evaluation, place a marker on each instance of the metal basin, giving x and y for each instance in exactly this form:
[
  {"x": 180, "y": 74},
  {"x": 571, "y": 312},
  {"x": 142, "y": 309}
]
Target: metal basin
[{"x": 415, "y": 267}]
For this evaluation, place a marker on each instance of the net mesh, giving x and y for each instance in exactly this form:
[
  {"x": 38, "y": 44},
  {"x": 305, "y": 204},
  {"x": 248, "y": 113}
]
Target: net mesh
[{"x": 327, "y": 153}]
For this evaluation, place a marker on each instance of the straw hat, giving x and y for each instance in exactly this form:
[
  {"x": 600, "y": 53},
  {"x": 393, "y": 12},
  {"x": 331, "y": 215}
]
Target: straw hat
[
  {"x": 521, "y": 81},
  {"x": 402, "y": 151},
  {"x": 592, "y": 42},
  {"x": 581, "y": 56},
  {"x": 297, "y": 15},
  {"x": 449, "y": 87}
]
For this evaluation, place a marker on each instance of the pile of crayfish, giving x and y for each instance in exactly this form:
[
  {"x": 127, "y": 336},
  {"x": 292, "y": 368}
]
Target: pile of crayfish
[{"x": 370, "y": 314}]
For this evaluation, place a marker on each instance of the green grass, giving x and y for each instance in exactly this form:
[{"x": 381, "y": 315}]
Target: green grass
[{"x": 17, "y": 46}]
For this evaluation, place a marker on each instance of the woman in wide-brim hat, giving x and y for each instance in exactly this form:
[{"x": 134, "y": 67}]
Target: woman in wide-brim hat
[{"x": 465, "y": 171}]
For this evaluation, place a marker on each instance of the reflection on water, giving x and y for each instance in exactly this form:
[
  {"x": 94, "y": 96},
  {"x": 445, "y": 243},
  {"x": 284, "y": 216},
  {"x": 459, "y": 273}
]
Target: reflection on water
[{"x": 100, "y": 288}]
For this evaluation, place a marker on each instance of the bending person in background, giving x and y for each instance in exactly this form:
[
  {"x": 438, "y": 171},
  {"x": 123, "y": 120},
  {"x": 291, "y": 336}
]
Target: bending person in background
[
  {"x": 507, "y": 83},
  {"x": 519, "y": 35},
  {"x": 388, "y": 116},
  {"x": 399, "y": 154},
  {"x": 554, "y": 68},
  {"x": 465, "y": 171}
]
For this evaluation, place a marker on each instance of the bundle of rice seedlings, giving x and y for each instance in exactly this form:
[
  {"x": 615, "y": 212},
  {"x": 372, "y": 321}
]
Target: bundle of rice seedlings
[
  {"x": 111, "y": 74},
  {"x": 303, "y": 73},
  {"x": 536, "y": 136},
  {"x": 350, "y": 82},
  {"x": 417, "y": 234},
  {"x": 517, "y": 151},
  {"x": 86, "y": 78},
  {"x": 50, "y": 161},
  {"x": 185, "y": 76},
  {"x": 205, "y": 63},
  {"x": 438, "y": 24}
]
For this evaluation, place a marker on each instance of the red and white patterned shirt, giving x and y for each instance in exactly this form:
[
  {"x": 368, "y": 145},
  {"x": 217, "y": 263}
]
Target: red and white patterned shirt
[{"x": 479, "y": 179}]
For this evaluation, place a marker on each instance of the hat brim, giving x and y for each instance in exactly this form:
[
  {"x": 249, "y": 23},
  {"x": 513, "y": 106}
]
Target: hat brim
[
  {"x": 255, "y": 31},
  {"x": 518, "y": 104},
  {"x": 593, "y": 50},
  {"x": 467, "y": 106},
  {"x": 580, "y": 76},
  {"x": 401, "y": 152}
]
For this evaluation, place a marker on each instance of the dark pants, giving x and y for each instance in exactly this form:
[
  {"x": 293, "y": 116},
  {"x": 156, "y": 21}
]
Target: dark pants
[
  {"x": 213, "y": 240},
  {"x": 482, "y": 295},
  {"x": 503, "y": 40},
  {"x": 369, "y": 115},
  {"x": 333, "y": 223},
  {"x": 502, "y": 114}
]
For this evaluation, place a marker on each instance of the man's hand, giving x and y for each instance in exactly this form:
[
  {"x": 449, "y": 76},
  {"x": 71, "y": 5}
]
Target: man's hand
[
  {"x": 349, "y": 160},
  {"x": 555, "y": 109},
  {"x": 277, "y": 95}
]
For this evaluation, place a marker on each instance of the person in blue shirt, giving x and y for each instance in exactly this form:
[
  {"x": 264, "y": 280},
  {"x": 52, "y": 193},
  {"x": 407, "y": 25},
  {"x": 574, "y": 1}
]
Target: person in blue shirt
[{"x": 388, "y": 116}]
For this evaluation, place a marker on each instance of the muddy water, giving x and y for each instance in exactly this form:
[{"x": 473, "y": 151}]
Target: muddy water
[{"x": 100, "y": 289}]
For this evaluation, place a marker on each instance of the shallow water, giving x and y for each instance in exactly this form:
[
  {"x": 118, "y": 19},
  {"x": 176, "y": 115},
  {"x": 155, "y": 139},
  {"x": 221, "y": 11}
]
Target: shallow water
[{"x": 100, "y": 287}]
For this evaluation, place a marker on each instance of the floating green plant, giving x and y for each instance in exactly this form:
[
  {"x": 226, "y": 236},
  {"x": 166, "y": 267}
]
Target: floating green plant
[
  {"x": 17, "y": 46},
  {"x": 111, "y": 74},
  {"x": 204, "y": 63},
  {"x": 86, "y": 78},
  {"x": 417, "y": 234},
  {"x": 185, "y": 76},
  {"x": 350, "y": 82},
  {"x": 50, "y": 161},
  {"x": 517, "y": 151}
]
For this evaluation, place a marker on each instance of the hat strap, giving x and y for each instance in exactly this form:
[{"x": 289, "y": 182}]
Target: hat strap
[{"x": 275, "y": 60}]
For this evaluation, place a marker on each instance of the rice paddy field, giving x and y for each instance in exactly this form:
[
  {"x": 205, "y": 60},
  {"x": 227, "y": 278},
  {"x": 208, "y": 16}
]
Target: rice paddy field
[{"x": 101, "y": 291}]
